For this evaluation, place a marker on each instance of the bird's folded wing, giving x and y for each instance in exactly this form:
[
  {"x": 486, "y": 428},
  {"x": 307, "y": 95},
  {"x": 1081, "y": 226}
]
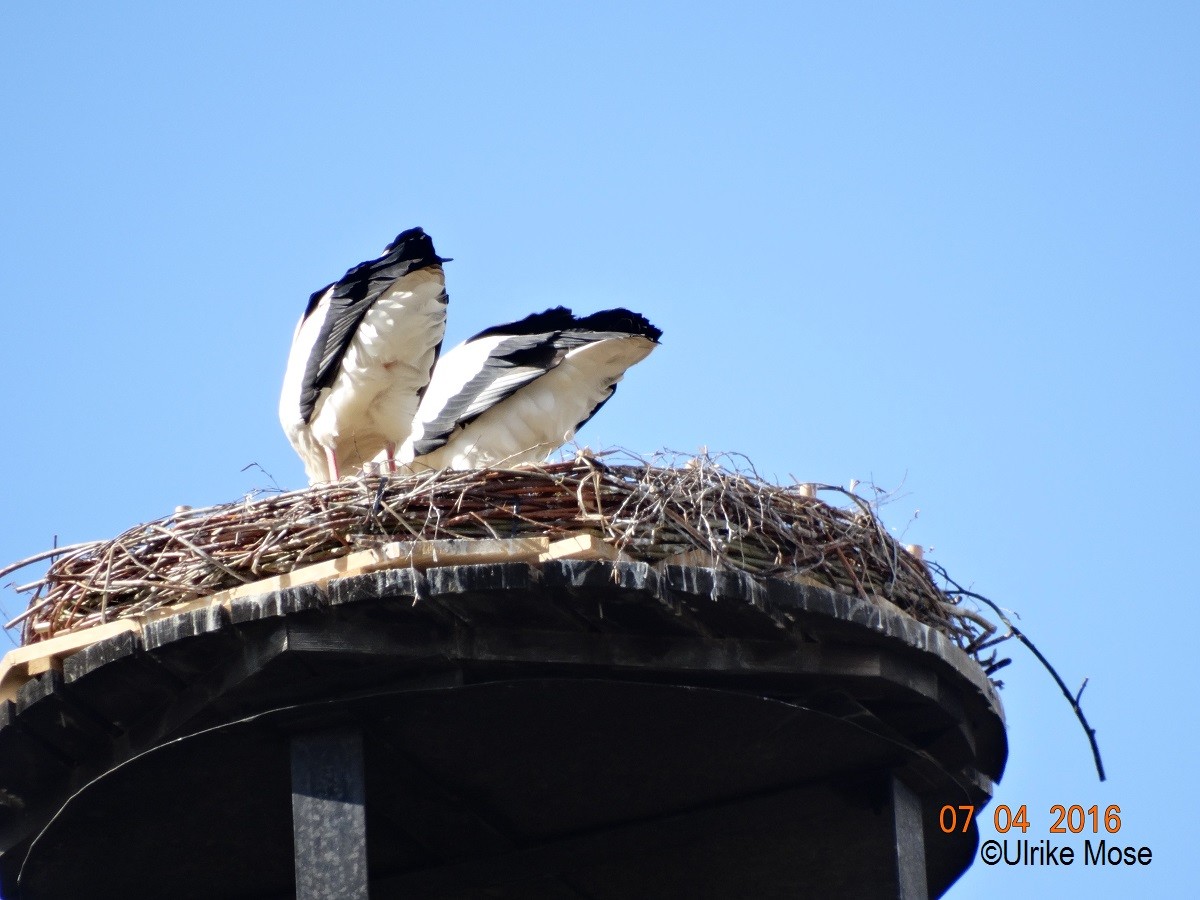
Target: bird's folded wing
[
  {"x": 352, "y": 297},
  {"x": 476, "y": 376}
]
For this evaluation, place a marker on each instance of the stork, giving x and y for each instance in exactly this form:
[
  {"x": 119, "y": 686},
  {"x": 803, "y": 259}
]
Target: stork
[
  {"x": 361, "y": 358},
  {"x": 514, "y": 393}
]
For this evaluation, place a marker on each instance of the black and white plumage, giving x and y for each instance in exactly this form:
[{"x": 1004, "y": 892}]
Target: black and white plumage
[
  {"x": 515, "y": 393},
  {"x": 362, "y": 356}
]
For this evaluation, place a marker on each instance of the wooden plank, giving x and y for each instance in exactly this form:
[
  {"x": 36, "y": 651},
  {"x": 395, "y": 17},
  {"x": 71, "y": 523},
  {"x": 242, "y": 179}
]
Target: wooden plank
[
  {"x": 22, "y": 663},
  {"x": 43, "y": 664},
  {"x": 45, "y": 655},
  {"x": 581, "y": 546},
  {"x": 466, "y": 552},
  {"x": 804, "y": 578},
  {"x": 399, "y": 554},
  {"x": 694, "y": 557}
]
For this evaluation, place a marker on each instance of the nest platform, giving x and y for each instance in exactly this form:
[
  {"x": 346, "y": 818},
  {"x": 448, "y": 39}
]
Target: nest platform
[
  {"x": 701, "y": 512},
  {"x": 553, "y": 713}
]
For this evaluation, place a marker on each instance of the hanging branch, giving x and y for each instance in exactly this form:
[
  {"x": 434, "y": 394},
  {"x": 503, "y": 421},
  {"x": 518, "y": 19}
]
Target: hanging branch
[{"x": 1016, "y": 632}]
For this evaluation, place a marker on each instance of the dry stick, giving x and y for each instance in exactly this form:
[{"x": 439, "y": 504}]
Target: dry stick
[
  {"x": 47, "y": 554},
  {"x": 1020, "y": 636},
  {"x": 957, "y": 612},
  {"x": 33, "y": 608},
  {"x": 202, "y": 554},
  {"x": 112, "y": 551},
  {"x": 850, "y": 571}
]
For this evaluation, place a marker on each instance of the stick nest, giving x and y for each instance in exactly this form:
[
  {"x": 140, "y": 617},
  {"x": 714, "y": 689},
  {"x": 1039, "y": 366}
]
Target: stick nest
[{"x": 650, "y": 511}]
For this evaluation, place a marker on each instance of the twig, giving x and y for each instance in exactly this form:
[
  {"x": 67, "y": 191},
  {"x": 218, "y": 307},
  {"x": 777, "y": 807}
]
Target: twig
[
  {"x": 47, "y": 554},
  {"x": 1020, "y": 636}
]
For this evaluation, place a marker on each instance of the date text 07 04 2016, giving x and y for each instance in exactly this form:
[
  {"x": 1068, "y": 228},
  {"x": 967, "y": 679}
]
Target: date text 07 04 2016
[{"x": 1068, "y": 820}]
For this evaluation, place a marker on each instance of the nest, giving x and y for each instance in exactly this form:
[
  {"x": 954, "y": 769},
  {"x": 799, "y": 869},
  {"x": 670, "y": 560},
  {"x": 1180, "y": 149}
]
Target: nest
[{"x": 650, "y": 512}]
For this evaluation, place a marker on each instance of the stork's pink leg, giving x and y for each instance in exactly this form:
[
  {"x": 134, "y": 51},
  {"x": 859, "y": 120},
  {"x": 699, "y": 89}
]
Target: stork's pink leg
[
  {"x": 331, "y": 462},
  {"x": 391, "y": 457}
]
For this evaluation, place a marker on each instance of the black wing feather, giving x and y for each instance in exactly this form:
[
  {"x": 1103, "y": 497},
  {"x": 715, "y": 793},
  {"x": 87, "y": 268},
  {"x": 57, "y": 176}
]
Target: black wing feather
[
  {"x": 539, "y": 341},
  {"x": 352, "y": 297},
  {"x": 608, "y": 323},
  {"x": 543, "y": 323},
  {"x": 537, "y": 352}
]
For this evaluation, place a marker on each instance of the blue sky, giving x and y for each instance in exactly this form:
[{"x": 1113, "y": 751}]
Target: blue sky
[{"x": 947, "y": 248}]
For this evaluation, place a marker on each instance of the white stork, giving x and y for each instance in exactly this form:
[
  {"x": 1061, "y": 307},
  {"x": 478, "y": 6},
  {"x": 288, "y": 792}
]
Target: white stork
[
  {"x": 515, "y": 393},
  {"x": 362, "y": 356}
]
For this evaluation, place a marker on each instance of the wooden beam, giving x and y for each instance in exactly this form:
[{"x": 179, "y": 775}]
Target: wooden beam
[
  {"x": 581, "y": 546},
  {"x": 694, "y": 557},
  {"x": 910, "y": 842},
  {"x": 22, "y": 663},
  {"x": 329, "y": 823}
]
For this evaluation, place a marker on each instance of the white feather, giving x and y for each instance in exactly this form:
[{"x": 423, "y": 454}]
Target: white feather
[
  {"x": 535, "y": 420},
  {"x": 375, "y": 394}
]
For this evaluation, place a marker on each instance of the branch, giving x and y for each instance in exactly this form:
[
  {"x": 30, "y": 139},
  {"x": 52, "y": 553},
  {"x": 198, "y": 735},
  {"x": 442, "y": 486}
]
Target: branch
[{"x": 1073, "y": 699}]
